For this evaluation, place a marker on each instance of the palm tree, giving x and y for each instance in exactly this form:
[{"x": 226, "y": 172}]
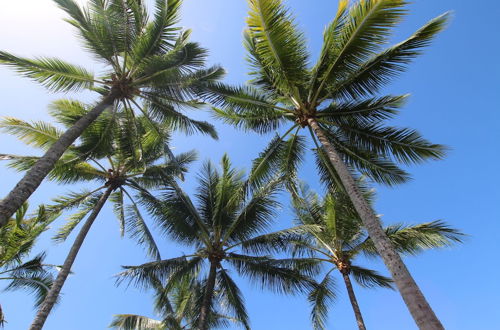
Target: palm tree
[
  {"x": 130, "y": 147},
  {"x": 150, "y": 69},
  {"x": 332, "y": 232},
  {"x": 228, "y": 214},
  {"x": 18, "y": 237},
  {"x": 335, "y": 101},
  {"x": 179, "y": 307}
]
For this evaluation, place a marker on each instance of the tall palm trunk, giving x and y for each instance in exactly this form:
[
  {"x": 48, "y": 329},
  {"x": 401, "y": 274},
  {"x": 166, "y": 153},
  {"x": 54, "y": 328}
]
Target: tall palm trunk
[
  {"x": 34, "y": 177},
  {"x": 50, "y": 300},
  {"x": 207, "y": 299},
  {"x": 418, "y": 306},
  {"x": 354, "y": 301}
]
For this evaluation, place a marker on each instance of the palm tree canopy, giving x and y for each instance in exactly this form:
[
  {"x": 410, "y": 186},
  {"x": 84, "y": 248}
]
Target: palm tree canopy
[
  {"x": 229, "y": 211},
  {"x": 329, "y": 231},
  {"x": 339, "y": 91},
  {"x": 150, "y": 65},
  {"x": 116, "y": 150}
]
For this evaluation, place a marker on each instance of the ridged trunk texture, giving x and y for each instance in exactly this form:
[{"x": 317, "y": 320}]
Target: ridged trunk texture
[
  {"x": 207, "y": 299},
  {"x": 34, "y": 177},
  {"x": 354, "y": 301},
  {"x": 421, "y": 311},
  {"x": 50, "y": 300}
]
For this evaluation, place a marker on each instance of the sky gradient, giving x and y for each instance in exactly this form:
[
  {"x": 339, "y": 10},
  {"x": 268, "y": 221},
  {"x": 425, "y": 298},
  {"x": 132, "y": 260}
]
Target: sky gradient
[{"x": 454, "y": 88}]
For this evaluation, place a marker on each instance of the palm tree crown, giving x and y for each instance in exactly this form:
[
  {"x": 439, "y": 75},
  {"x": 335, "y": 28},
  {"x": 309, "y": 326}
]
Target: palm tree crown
[
  {"x": 115, "y": 152},
  {"x": 228, "y": 214},
  {"x": 331, "y": 230},
  {"x": 338, "y": 91}
]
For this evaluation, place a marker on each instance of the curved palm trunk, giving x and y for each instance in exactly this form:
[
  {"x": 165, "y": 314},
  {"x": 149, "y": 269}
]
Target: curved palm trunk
[
  {"x": 34, "y": 177},
  {"x": 207, "y": 299},
  {"x": 418, "y": 306},
  {"x": 354, "y": 301},
  {"x": 50, "y": 300}
]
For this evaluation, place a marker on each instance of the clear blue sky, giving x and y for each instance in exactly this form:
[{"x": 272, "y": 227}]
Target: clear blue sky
[{"x": 453, "y": 86}]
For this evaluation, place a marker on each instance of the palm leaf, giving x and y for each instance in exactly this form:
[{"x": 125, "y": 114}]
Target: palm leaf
[
  {"x": 54, "y": 74},
  {"x": 368, "y": 278},
  {"x": 279, "y": 45},
  {"x": 379, "y": 70}
]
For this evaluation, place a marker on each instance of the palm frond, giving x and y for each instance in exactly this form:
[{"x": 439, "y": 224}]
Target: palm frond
[
  {"x": 144, "y": 275},
  {"x": 353, "y": 38},
  {"x": 117, "y": 199},
  {"x": 138, "y": 230},
  {"x": 54, "y": 74},
  {"x": 368, "y": 278},
  {"x": 405, "y": 145},
  {"x": 256, "y": 215},
  {"x": 379, "y": 70},
  {"x": 172, "y": 214},
  {"x": 37, "y": 134},
  {"x": 160, "y": 34},
  {"x": 417, "y": 238},
  {"x": 86, "y": 205},
  {"x": 269, "y": 273},
  {"x": 279, "y": 45},
  {"x": 372, "y": 110},
  {"x": 229, "y": 291},
  {"x": 323, "y": 294}
]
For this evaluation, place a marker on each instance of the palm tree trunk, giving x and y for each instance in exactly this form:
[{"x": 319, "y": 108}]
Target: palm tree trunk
[
  {"x": 207, "y": 299},
  {"x": 34, "y": 177},
  {"x": 354, "y": 301},
  {"x": 418, "y": 306},
  {"x": 50, "y": 300}
]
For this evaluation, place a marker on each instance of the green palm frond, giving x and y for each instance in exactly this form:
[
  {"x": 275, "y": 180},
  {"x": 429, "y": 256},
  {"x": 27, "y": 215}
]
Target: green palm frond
[
  {"x": 373, "y": 110},
  {"x": 117, "y": 198},
  {"x": 291, "y": 240},
  {"x": 413, "y": 239},
  {"x": 279, "y": 45},
  {"x": 291, "y": 160},
  {"x": 256, "y": 214},
  {"x": 271, "y": 274},
  {"x": 85, "y": 207},
  {"x": 160, "y": 34},
  {"x": 405, "y": 145},
  {"x": 32, "y": 276},
  {"x": 145, "y": 274},
  {"x": 54, "y": 74},
  {"x": 320, "y": 297},
  {"x": 38, "y": 134},
  {"x": 230, "y": 292},
  {"x": 257, "y": 120},
  {"x": 19, "y": 236},
  {"x": 379, "y": 70},
  {"x": 368, "y": 278},
  {"x": 353, "y": 38},
  {"x": 138, "y": 230},
  {"x": 67, "y": 170},
  {"x": 184, "y": 58},
  {"x": 382, "y": 170}
]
